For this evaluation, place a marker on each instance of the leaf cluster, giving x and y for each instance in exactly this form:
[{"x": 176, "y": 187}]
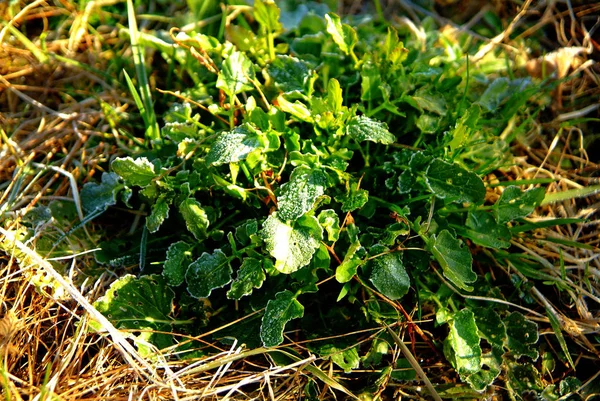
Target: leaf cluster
[{"x": 327, "y": 157}]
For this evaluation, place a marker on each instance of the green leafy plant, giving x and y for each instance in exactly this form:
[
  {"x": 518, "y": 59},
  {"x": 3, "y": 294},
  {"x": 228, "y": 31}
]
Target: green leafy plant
[{"x": 329, "y": 157}]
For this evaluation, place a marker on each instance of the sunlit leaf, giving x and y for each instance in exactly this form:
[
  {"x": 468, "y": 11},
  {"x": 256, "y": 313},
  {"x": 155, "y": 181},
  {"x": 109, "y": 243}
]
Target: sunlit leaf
[
  {"x": 236, "y": 145},
  {"x": 363, "y": 128},
  {"x": 462, "y": 344},
  {"x": 299, "y": 194},
  {"x": 350, "y": 264},
  {"x": 343, "y": 35},
  {"x": 266, "y": 13},
  {"x": 138, "y": 171},
  {"x": 330, "y": 221},
  {"x": 345, "y": 357},
  {"x": 196, "y": 219},
  {"x": 291, "y": 244},
  {"x": 159, "y": 213},
  {"x": 291, "y": 74},
  {"x": 236, "y": 74}
]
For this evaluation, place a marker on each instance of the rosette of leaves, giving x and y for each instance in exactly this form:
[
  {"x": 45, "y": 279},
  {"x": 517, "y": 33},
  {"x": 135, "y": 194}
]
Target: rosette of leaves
[{"x": 313, "y": 171}]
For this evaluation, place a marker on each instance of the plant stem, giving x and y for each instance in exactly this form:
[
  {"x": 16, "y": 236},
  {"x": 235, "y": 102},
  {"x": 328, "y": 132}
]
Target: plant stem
[
  {"x": 232, "y": 112},
  {"x": 271, "y": 41}
]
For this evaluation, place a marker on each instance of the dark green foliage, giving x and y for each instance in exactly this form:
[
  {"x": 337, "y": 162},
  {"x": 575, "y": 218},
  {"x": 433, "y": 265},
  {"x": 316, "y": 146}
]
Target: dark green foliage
[{"x": 329, "y": 156}]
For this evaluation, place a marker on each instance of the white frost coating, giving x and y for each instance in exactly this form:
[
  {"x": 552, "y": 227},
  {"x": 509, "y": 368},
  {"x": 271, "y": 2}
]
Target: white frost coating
[
  {"x": 234, "y": 146},
  {"x": 363, "y": 128},
  {"x": 299, "y": 194},
  {"x": 292, "y": 247}
]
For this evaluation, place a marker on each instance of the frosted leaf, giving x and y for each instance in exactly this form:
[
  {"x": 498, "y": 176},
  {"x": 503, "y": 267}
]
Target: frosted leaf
[
  {"x": 293, "y": 245},
  {"x": 299, "y": 194},
  {"x": 236, "y": 145}
]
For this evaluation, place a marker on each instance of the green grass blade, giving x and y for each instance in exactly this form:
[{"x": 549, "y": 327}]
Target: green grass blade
[
  {"x": 152, "y": 128},
  {"x": 40, "y": 55},
  {"x": 143, "y": 248},
  {"x": 522, "y": 182},
  {"x": 543, "y": 224},
  {"x": 559, "y": 336},
  {"x": 136, "y": 97},
  {"x": 571, "y": 194}
]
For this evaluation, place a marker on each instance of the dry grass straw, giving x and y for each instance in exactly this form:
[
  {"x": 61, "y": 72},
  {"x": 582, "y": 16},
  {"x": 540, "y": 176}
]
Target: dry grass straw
[{"x": 54, "y": 129}]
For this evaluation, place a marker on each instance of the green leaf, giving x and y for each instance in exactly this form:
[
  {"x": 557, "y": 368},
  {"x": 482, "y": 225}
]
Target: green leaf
[
  {"x": 345, "y": 358},
  {"x": 515, "y": 204},
  {"x": 329, "y": 113},
  {"x": 234, "y": 146},
  {"x": 465, "y": 128},
  {"x": 279, "y": 311},
  {"x": 138, "y": 172},
  {"x": 428, "y": 124},
  {"x": 379, "y": 348},
  {"x": 522, "y": 334},
  {"x": 291, "y": 75},
  {"x": 251, "y": 275},
  {"x": 484, "y": 231},
  {"x": 430, "y": 102},
  {"x": 406, "y": 182},
  {"x": 370, "y": 84},
  {"x": 491, "y": 363},
  {"x": 389, "y": 276},
  {"x": 449, "y": 181},
  {"x": 292, "y": 245},
  {"x": 347, "y": 269},
  {"x": 462, "y": 344},
  {"x": 177, "y": 262},
  {"x": 299, "y": 194},
  {"x": 160, "y": 212},
  {"x": 349, "y": 266},
  {"x": 455, "y": 259},
  {"x": 207, "y": 273},
  {"x": 143, "y": 303},
  {"x": 96, "y": 198},
  {"x": 266, "y": 13},
  {"x": 335, "y": 99},
  {"x": 196, "y": 219},
  {"x": 236, "y": 74},
  {"x": 229, "y": 188},
  {"x": 490, "y": 326},
  {"x": 343, "y": 35},
  {"x": 363, "y": 128},
  {"x": 522, "y": 378},
  {"x": 246, "y": 230},
  {"x": 500, "y": 90},
  {"x": 354, "y": 199},
  {"x": 330, "y": 221},
  {"x": 297, "y": 109},
  {"x": 404, "y": 371}
]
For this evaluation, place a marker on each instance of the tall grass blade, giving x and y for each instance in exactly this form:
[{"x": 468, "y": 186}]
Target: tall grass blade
[{"x": 152, "y": 128}]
